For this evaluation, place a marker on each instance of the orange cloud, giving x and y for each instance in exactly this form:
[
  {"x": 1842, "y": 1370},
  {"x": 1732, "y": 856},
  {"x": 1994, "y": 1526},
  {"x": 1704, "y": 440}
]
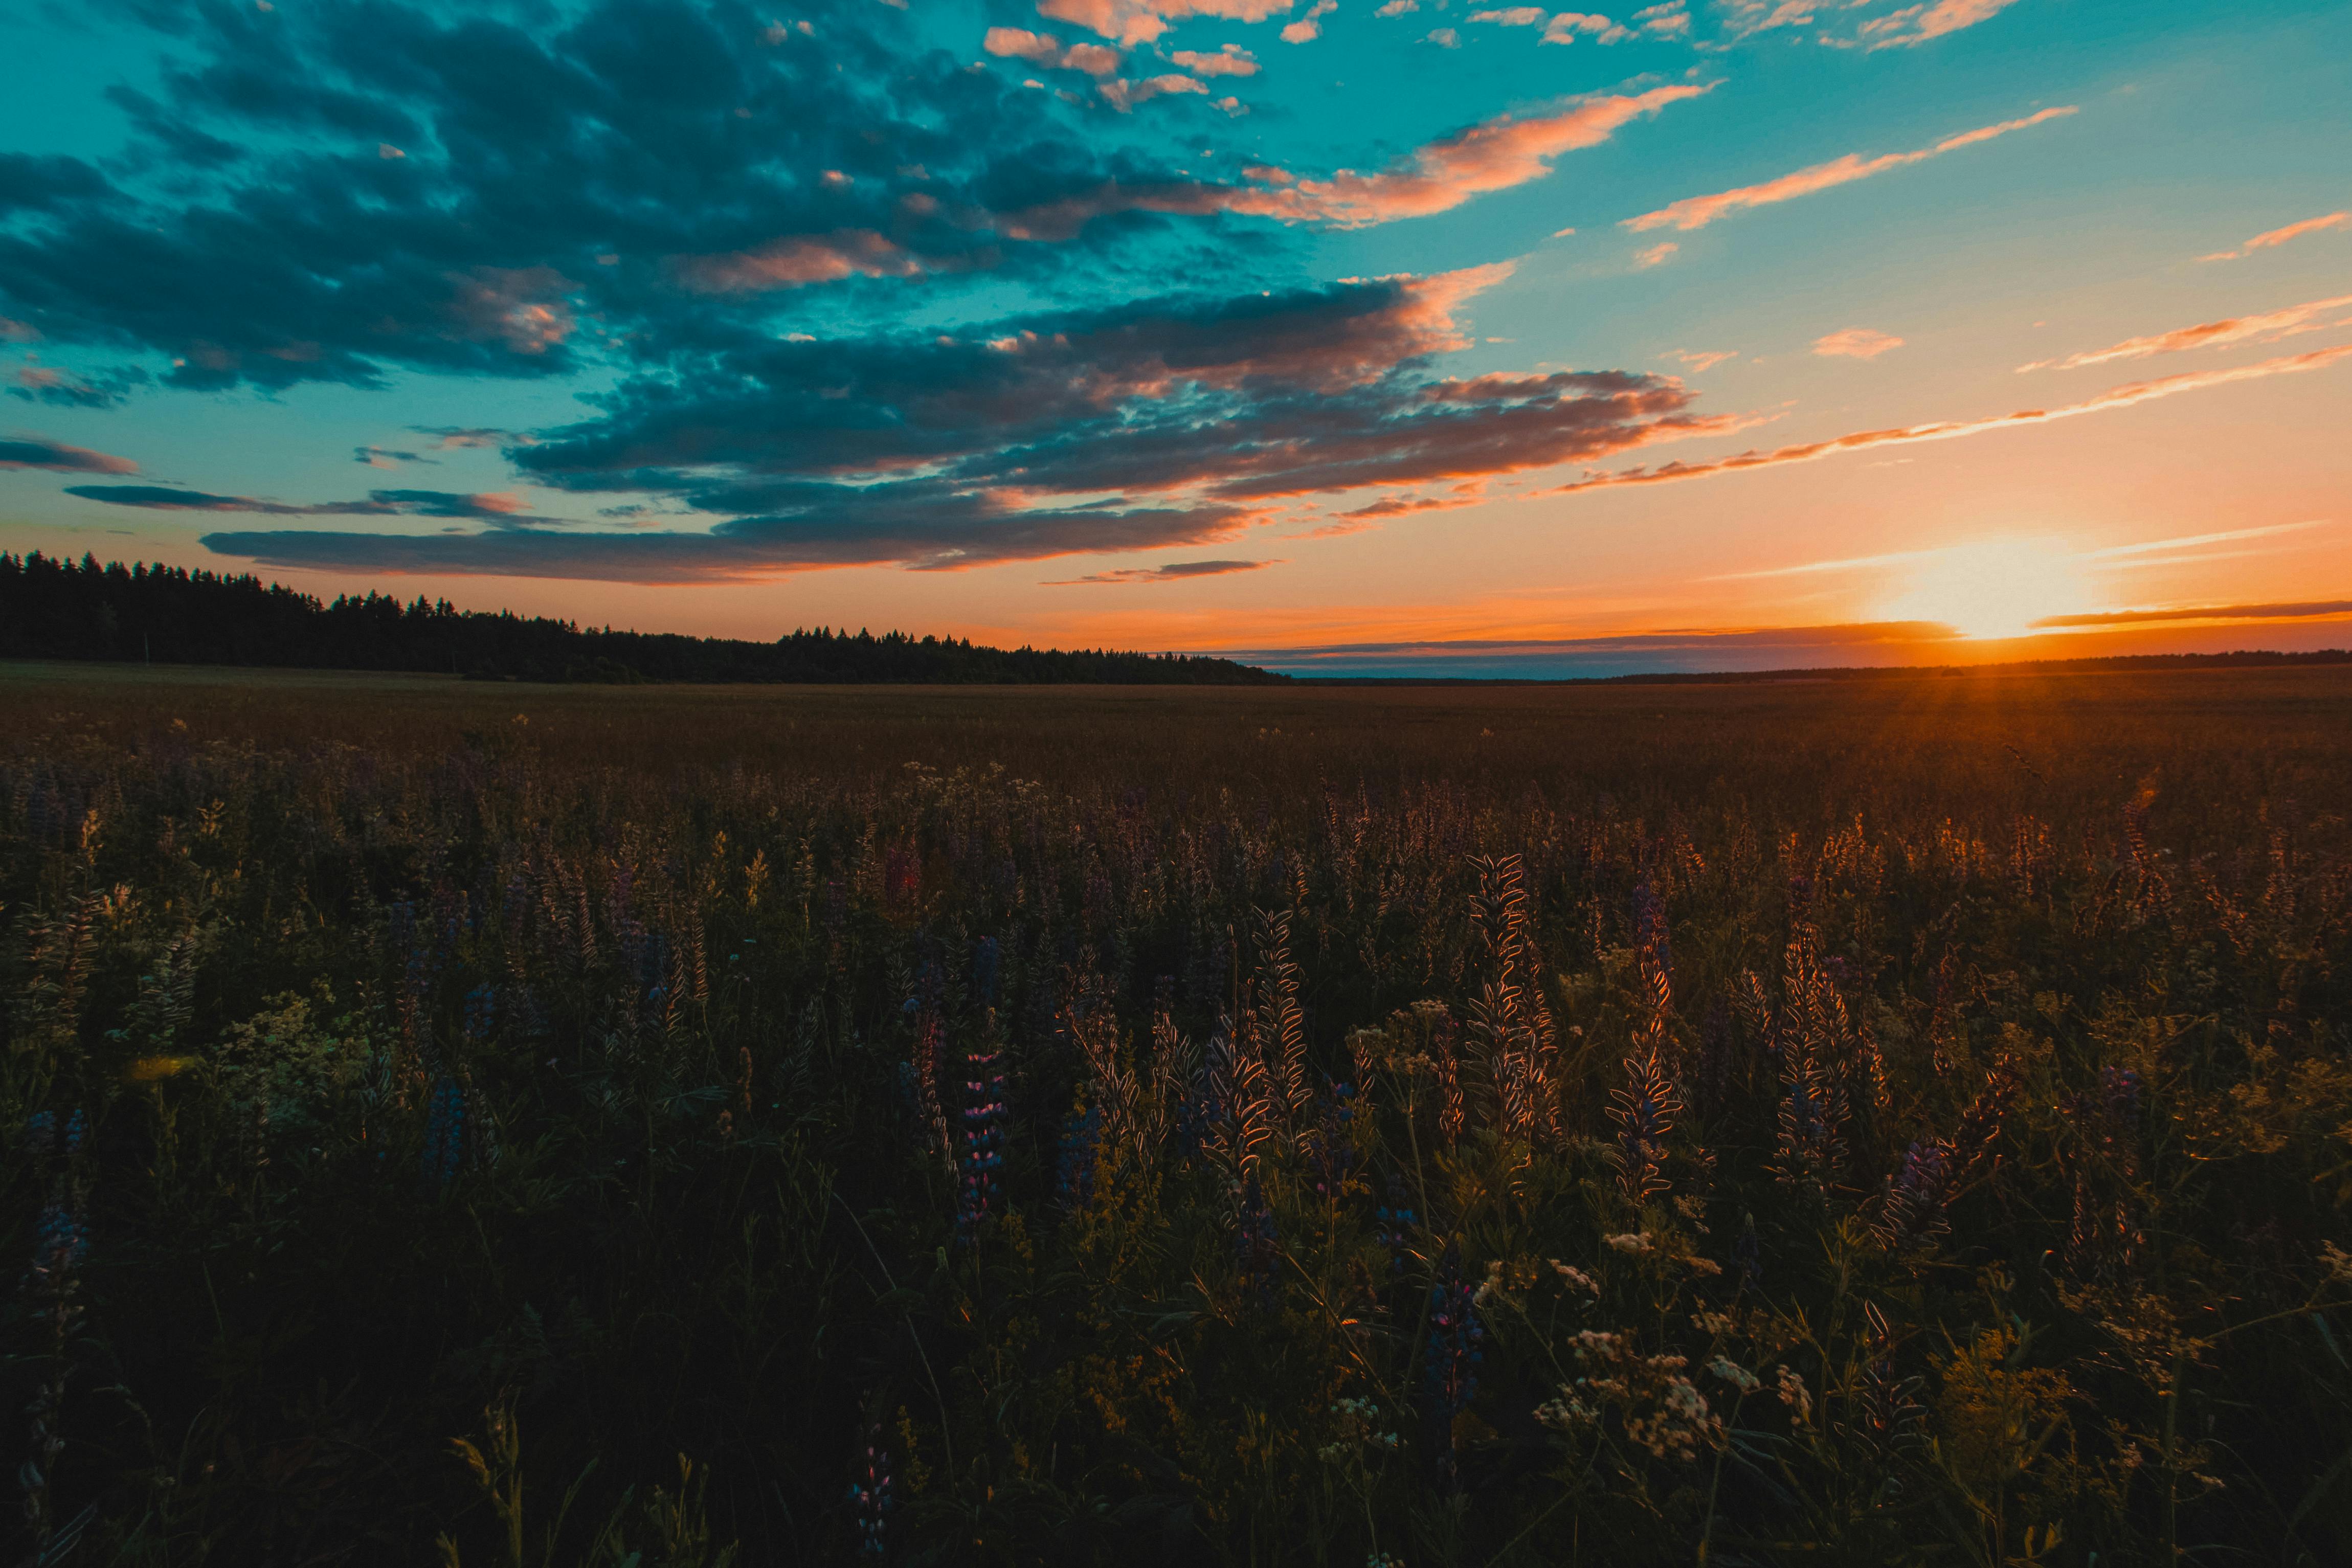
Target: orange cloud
[
  {"x": 1173, "y": 572},
  {"x": 1493, "y": 155},
  {"x": 1141, "y": 21},
  {"x": 1231, "y": 60},
  {"x": 2308, "y": 610},
  {"x": 2278, "y": 237},
  {"x": 1698, "y": 212},
  {"x": 2118, "y": 397},
  {"x": 795, "y": 262},
  {"x": 1918, "y": 24},
  {"x": 1045, "y": 49},
  {"x": 1856, "y": 342},
  {"x": 2268, "y": 326},
  {"x": 521, "y": 307}
]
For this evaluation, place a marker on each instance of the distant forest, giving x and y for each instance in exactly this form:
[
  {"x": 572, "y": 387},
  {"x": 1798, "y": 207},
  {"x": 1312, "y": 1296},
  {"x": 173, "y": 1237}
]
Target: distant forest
[{"x": 168, "y": 615}]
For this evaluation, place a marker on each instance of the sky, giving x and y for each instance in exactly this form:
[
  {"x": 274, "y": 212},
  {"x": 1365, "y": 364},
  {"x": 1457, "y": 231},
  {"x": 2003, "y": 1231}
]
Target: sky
[{"x": 1422, "y": 337}]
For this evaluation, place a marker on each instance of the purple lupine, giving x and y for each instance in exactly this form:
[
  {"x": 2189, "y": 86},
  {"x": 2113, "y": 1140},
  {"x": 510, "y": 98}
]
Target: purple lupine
[
  {"x": 1912, "y": 1213},
  {"x": 1650, "y": 935},
  {"x": 1748, "y": 1255},
  {"x": 869, "y": 1496},
  {"x": 1328, "y": 1154},
  {"x": 1255, "y": 1239},
  {"x": 60, "y": 1242},
  {"x": 984, "y": 964},
  {"x": 1393, "y": 1226},
  {"x": 1073, "y": 1169},
  {"x": 983, "y": 1155},
  {"x": 1645, "y": 1111},
  {"x": 445, "y": 1134},
  {"x": 481, "y": 1013},
  {"x": 1450, "y": 1369}
]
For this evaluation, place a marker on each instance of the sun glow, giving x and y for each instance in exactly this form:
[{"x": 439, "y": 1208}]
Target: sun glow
[{"x": 1999, "y": 588}]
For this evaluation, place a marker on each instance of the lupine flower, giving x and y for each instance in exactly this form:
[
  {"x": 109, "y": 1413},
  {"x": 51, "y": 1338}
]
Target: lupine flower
[
  {"x": 1885, "y": 1413},
  {"x": 481, "y": 1013},
  {"x": 445, "y": 1134},
  {"x": 1255, "y": 1239},
  {"x": 1073, "y": 1170},
  {"x": 1450, "y": 1367},
  {"x": 870, "y": 1496},
  {"x": 1392, "y": 1225},
  {"x": 1912, "y": 1213},
  {"x": 1643, "y": 1111},
  {"x": 1328, "y": 1154},
  {"x": 982, "y": 1155},
  {"x": 1748, "y": 1255}
]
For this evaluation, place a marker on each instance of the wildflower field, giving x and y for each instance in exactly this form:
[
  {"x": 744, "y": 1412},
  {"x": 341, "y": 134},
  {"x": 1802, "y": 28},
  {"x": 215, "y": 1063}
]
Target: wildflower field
[{"x": 1892, "y": 1120}]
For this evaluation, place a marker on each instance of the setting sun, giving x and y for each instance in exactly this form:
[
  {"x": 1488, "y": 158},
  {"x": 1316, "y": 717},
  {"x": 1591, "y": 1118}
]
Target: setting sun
[{"x": 1999, "y": 588}]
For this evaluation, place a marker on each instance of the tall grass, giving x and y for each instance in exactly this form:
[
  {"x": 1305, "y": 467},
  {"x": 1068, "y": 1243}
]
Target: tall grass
[{"x": 1319, "y": 1127}]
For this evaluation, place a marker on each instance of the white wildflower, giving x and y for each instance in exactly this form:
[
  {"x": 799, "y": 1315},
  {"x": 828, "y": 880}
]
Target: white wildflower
[
  {"x": 1732, "y": 1372},
  {"x": 1795, "y": 1394}
]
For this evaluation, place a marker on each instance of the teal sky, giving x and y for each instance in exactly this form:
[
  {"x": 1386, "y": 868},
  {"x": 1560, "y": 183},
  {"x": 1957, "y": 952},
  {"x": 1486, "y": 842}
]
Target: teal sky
[{"x": 1349, "y": 341}]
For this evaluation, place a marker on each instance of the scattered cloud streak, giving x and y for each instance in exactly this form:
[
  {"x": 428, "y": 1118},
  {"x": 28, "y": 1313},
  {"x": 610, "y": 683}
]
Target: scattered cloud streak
[
  {"x": 497, "y": 507},
  {"x": 2269, "y": 326},
  {"x": 1914, "y": 24},
  {"x": 2278, "y": 237},
  {"x": 2118, "y": 397},
  {"x": 1698, "y": 212},
  {"x": 2308, "y": 610},
  {"x": 1173, "y": 572}
]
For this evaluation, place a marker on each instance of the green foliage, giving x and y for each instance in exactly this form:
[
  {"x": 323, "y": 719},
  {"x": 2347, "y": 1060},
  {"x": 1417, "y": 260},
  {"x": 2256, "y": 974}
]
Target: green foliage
[{"x": 1328, "y": 1133}]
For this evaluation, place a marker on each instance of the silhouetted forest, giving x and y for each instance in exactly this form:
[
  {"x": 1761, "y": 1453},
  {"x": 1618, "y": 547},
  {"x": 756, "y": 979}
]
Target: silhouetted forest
[{"x": 168, "y": 615}]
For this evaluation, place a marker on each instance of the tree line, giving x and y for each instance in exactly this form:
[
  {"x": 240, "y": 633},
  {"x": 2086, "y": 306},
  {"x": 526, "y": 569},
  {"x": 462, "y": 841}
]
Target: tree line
[{"x": 56, "y": 608}]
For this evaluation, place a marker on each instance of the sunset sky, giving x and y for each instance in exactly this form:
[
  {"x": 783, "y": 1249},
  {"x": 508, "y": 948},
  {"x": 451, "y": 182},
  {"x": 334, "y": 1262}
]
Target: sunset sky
[{"x": 1415, "y": 337}]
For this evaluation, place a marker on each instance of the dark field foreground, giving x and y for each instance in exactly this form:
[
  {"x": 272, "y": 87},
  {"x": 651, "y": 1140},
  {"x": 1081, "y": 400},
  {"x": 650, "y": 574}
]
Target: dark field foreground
[{"x": 1903, "y": 1121}]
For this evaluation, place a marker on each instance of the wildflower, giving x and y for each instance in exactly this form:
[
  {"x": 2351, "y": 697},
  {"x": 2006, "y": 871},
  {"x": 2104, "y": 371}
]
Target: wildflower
[
  {"x": 1794, "y": 1394},
  {"x": 869, "y": 1496},
  {"x": 1576, "y": 1277},
  {"x": 1451, "y": 1366},
  {"x": 1254, "y": 1239},
  {"x": 1885, "y": 1412},
  {"x": 1491, "y": 1286},
  {"x": 1748, "y": 1255},
  {"x": 2339, "y": 1262},
  {"x": 1328, "y": 1154},
  {"x": 1392, "y": 1225},
  {"x": 1645, "y": 1111},
  {"x": 481, "y": 1013},
  {"x": 445, "y": 1134},
  {"x": 982, "y": 1155},
  {"x": 1359, "y": 1424},
  {"x": 1074, "y": 1172},
  {"x": 1732, "y": 1372},
  {"x": 1636, "y": 1242},
  {"x": 1912, "y": 1212},
  {"x": 1662, "y": 1410},
  {"x": 1714, "y": 1324}
]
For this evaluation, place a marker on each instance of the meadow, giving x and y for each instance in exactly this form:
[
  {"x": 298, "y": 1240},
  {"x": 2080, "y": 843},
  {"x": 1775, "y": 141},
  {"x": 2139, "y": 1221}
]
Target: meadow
[{"x": 523, "y": 1127}]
